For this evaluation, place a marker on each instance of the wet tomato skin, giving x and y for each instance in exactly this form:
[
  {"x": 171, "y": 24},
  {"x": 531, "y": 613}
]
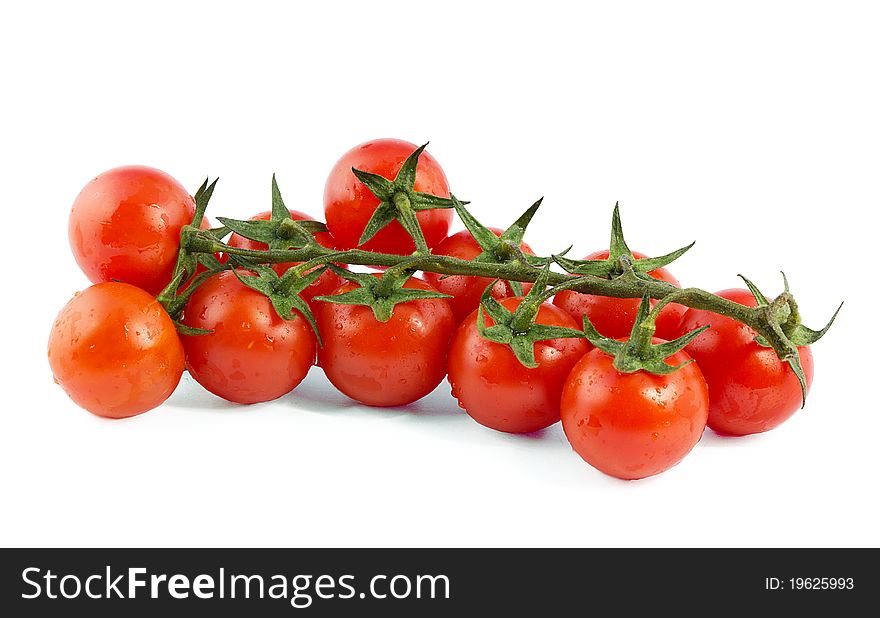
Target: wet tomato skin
[
  {"x": 125, "y": 226},
  {"x": 114, "y": 350},
  {"x": 634, "y": 425},
  {"x": 252, "y": 355},
  {"x": 385, "y": 364},
  {"x": 498, "y": 391},
  {"x": 750, "y": 389},
  {"x": 348, "y": 204},
  {"x": 614, "y": 317},
  {"x": 325, "y": 284},
  {"x": 466, "y": 291}
]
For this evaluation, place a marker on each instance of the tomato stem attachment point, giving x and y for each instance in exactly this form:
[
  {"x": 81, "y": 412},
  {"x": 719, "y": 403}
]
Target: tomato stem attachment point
[{"x": 639, "y": 352}]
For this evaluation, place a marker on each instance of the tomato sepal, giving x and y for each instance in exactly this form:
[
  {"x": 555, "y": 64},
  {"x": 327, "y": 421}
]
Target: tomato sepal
[
  {"x": 187, "y": 260},
  {"x": 638, "y": 352},
  {"x": 801, "y": 335},
  {"x": 785, "y": 322},
  {"x": 383, "y": 293},
  {"x": 620, "y": 257},
  {"x": 284, "y": 292},
  {"x": 503, "y": 249},
  {"x": 280, "y": 231},
  {"x": 186, "y": 276},
  {"x": 399, "y": 201},
  {"x": 519, "y": 328},
  {"x": 786, "y": 311},
  {"x": 193, "y": 331}
]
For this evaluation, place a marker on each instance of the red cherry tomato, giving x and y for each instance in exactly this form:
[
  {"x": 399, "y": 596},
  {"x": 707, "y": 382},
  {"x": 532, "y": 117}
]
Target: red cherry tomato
[
  {"x": 466, "y": 291},
  {"x": 252, "y": 355},
  {"x": 385, "y": 364},
  {"x": 498, "y": 391},
  {"x": 125, "y": 226},
  {"x": 325, "y": 284},
  {"x": 633, "y": 425},
  {"x": 750, "y": 389},
  {"x": 115, "y": 351},
  {"x": 614, "y": 317},
  {"x": 348, "y": 204}
]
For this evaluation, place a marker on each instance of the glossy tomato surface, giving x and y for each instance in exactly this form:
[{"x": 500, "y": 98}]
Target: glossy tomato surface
[
  {"x": 633, "y": 425},
  {"x": 115, "y": 351},
  {"x": 498, "y": 391},
  {"x": 614, "y": 317},
  {"x": 466, "y": 291},
  {"x": 385, "y": 364},
  {"x": 348, "y": 204},
  {"x": 253, "y": 354},
  {"x": 125, "y": 226},
  {"x": 325, "y": 284},
  {"x": 750, "y": 389}
]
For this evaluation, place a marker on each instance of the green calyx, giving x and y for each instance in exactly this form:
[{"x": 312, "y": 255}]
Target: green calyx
[
  {"x": 382, "y": 294},
  {"x": 506, "y": 248},
  {"x": 185, "y": 268},
  {"x": 399, "y": 201},
  {"x": 620, "y": 261},
  {"x": 284, "y": 291},
  {"x": 638, "y": 352},
  {"x": 519, "y": 328},
  {"x": 785, "y": 322},
  {"x": 187, "y": 262},
  {"x": 281, "y": 231}
]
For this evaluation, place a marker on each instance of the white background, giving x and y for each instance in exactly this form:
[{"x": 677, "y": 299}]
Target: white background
[{"x": 750, "y": 127}]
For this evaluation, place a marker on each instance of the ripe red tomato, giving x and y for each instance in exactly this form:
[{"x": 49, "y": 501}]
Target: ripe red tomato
[
  {"x": 466, "y": 291},
  {"x": 348, "y": 204},
  {"x": 115, "y": 351},
  {"x": 325, "y": 284},
  {"x": 385, "y": 364},
  {"x": 125, "y": 226},
  {"x": 252, "y": 355},
  {"x": 498, "y": 391},
  {"x": 750, "y": 389},
  {"x": 614, "y": 317},
  {"x": 633, "y": 425}
]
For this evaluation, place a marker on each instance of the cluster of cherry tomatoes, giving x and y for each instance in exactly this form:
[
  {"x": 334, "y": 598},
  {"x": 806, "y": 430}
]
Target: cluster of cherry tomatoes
[{"x": 117, "y": 353}]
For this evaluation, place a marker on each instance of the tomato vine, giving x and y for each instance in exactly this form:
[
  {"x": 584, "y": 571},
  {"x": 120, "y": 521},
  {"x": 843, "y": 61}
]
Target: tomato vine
[{"x": 776, "y": 321}]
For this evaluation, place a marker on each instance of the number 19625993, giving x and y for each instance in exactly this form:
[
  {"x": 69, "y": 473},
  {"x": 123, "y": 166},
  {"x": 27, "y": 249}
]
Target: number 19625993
[{"x": 809, "y": 583}]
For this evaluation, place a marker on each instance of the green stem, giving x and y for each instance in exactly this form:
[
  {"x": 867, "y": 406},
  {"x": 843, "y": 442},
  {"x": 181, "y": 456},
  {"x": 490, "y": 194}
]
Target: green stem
[
  {"x": 174, "y": 302},
  {"x": 760, "y": 319},
  {"x": 286, "y": 229},
  {"x": 409, "y": 221}
]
